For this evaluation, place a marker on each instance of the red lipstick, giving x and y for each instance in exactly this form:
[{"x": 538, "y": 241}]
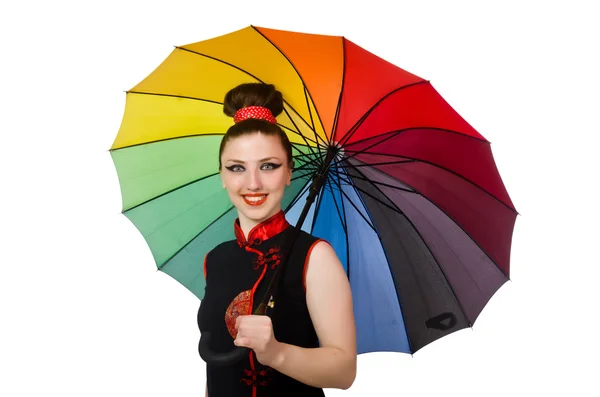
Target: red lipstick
[{"x": 255, "y": 199}]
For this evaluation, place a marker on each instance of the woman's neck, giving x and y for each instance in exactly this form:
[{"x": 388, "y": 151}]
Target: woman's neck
[{"x": 248, "y": 224}]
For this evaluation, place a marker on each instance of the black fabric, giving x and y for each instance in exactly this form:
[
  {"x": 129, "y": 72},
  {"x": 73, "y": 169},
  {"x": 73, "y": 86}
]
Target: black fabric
[{"x": 231, "y": 269}]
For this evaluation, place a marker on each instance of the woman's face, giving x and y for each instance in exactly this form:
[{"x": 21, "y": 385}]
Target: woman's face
[{"x": 255, "y": 173}]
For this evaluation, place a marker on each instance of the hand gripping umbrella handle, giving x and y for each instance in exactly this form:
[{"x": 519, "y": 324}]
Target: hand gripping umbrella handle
[{"x": 223, "y": 359}]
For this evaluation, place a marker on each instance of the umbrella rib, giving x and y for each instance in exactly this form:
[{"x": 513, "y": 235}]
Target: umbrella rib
[
  {"x": 358, "y": 123},
  {"x": 306, "y": 158},
  {"x": 170, "y": 191},
  {"x": 297, "y": 73},
  {"x": 438, "y": 207},
  {"x": 298, "y": 196},
  {"x": 395, "y": 133},
  {"x": 164, "y": 140},
  {"x": 381, "y": 183},
  {"x": 314, "y": 162},
  {"x": 317, "y": 157},
  {"x": 383, "y": 163},
  {"x": 415, "y": 160},
  {"x": 318, "y": 205},
  {"x": 193, "y": 238},
  {"x": 347, "y": 236},
  {"x": 314, "y": 130},
  {"x": 391, "y": 135},
  {"x": 297, "y": 132},
  {"x": 173, "y": 96},
  {"x": 329, "y": 185},
  {"x": 339, "y": 103},
  {"x": 460, "y": 305},
  {"x": 351, "y": 203},
  {"x": 309, "y": 173},
  {"x": 306, "y": 139},
  {"x": 303, "y": 155},
  {"x": 304, "y": 163},
  {"x": 241, "y": 70},
  {"x": 349, "y": 182},
  {"x": 312, "y": 168},
  {"x": 312, "y": 122}
]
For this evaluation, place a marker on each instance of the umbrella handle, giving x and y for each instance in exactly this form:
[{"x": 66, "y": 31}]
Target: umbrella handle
[
  {"x": 219, "y": 359},
  {"x": 229, "y": 358}
]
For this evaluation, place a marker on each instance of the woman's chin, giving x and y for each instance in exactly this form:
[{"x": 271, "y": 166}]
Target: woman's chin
[{"x": 258, "y": 214}]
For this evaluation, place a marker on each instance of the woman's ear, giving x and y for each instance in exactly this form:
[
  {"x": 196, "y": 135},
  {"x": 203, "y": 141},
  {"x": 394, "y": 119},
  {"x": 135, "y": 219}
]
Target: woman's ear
[
  {"x": 290, "y": 170},
  {"x": 291, "y": 167}
]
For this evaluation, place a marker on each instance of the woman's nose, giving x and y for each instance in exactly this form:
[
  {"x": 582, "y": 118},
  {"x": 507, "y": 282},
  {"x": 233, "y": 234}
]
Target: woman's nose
[{"x": 254, "y": 182}]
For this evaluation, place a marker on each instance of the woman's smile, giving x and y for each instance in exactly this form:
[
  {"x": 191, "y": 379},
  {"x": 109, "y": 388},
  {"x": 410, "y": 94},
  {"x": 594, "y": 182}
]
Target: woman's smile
[{"x": 255, "y": 199}]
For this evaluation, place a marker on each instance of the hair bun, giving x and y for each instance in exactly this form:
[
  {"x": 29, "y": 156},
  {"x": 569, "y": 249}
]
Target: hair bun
[{"x": 253, "y": 94}]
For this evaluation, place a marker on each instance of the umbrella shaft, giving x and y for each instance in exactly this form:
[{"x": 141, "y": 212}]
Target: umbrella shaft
[{"x": 317, "y": 183}]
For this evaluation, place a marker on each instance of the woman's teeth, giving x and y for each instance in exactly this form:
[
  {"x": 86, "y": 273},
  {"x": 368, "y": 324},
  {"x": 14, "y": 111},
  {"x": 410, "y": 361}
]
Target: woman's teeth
[{"x": 255, "y": 200}]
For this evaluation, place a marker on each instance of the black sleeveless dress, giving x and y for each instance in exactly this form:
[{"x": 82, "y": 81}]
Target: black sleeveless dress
[{"x": 237, "y": 273}]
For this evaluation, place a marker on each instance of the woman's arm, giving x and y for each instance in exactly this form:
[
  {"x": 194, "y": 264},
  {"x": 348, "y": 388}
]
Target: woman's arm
[
  {"x": 206, "y": 393},
  {"x": 329, "y": 300}
]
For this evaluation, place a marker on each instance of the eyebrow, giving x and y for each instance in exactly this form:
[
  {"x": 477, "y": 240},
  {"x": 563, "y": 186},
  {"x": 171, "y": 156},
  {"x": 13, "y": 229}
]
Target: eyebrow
[{"x": 260, "y": 161}]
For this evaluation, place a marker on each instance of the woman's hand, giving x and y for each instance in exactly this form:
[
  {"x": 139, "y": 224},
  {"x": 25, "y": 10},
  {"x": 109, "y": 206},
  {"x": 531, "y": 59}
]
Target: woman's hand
[{"x": 256, "y": 333}]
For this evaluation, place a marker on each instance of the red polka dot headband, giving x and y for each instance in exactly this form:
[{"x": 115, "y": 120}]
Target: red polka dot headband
[{"x": 254, "y": 112}]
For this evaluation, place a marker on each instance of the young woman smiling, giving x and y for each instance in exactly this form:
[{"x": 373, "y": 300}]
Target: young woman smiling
[{"x": 309, "y": 342}]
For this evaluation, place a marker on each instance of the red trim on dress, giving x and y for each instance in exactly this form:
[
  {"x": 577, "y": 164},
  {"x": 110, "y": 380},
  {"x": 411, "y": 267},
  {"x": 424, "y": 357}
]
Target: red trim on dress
[
  {"x": 205, "y": 256},
  {"x": 254, "y": 371},
  {"x": 244, "y": 302},
  {"x": 256, "y": 286},
  {"x": 261, "y": 232}
]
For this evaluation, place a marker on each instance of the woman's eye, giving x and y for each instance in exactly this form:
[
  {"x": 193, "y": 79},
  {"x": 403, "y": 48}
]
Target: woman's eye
[
  {"x": 235, "y": 168},
  {"x": 270, "y": 166}
]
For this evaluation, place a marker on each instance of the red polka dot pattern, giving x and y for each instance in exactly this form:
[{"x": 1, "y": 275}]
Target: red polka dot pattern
[{"x": 254, "y": 112}]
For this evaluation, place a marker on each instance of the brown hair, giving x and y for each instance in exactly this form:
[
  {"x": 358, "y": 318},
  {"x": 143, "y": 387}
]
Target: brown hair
[{"x": 255, "y": 94}]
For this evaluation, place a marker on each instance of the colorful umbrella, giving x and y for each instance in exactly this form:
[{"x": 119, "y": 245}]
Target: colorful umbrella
[{"x": 412, "y": 200}]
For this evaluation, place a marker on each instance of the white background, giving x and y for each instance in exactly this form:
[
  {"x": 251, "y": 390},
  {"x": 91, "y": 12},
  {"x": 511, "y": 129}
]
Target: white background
[{"x": 83, "y": 311}]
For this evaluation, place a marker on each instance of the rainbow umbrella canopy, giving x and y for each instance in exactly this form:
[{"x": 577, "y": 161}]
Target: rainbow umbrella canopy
[{"x": 412, "y": 201}]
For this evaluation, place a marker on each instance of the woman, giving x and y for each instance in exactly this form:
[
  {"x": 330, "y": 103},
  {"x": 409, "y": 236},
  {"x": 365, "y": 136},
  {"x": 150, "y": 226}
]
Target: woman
[{"x": 309, "y": 342}]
